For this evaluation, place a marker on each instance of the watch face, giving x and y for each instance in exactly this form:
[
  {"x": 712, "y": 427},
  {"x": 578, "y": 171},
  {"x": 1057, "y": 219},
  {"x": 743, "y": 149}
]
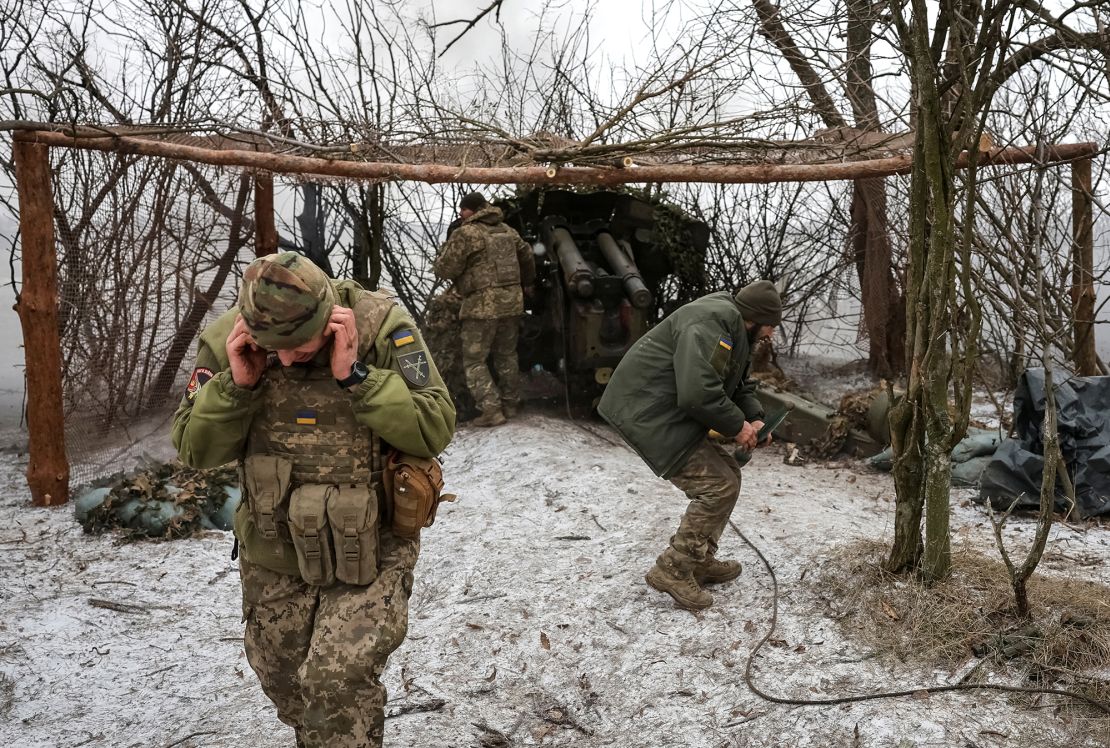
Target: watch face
[{"x": 358, "y": 375}]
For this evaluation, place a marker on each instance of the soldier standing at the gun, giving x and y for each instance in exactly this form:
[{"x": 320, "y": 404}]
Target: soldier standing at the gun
[
  {"x": 307, "y": 384},
  {"x": 488, "y": 263},
  {"x": 686, "y": 376}
]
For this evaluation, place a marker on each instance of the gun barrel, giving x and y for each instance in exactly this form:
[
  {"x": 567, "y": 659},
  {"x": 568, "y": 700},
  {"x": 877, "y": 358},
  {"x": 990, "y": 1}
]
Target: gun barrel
[
  {"x": 623, "y": 267},
  {"x": 578, "y": 275}
]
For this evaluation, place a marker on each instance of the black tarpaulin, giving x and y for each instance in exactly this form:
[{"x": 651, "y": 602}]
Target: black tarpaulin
[{"x": 1083, "y": 415}]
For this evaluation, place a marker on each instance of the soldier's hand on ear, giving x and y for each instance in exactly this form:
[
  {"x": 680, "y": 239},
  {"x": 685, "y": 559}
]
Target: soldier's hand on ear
[
  {"x": 344, "y": 348},
  {"x": 247, "y": 358}
]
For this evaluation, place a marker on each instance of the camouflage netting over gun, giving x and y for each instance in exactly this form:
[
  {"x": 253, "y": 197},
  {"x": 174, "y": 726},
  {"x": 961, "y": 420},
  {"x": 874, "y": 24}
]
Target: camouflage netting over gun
[
  {"x": 166, "y": 500},
  {"x": 679, "y": 239}
]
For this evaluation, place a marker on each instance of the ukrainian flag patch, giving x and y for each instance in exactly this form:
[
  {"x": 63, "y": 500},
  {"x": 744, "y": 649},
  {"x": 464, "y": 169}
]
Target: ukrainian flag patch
[
  {"x": 306, "y": 417},
  {"x": 403, "y": 337},
  {"x": 725, "y": 342}
]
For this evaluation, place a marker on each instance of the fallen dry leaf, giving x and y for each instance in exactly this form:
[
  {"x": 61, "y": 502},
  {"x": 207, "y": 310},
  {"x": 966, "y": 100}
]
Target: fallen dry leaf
[{"x": 544, "y": 641}]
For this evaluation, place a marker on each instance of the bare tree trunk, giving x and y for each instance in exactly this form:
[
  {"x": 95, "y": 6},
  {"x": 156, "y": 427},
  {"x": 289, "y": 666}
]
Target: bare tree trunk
[
  {"x": 922, "y": 423},
  {"x": 367, "y": 217},
  {"x": 311, "y": 219},
  {"x": 869, "y": 231},
  {"x": 870, "y": 238}
]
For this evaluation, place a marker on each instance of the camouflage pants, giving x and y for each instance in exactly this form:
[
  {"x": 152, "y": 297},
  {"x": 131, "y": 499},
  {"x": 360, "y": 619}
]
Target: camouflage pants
[
  {"x": 481, "y": 340},
  {"x": 319, "y": 652},
  {"x": 710, "y": 478}
]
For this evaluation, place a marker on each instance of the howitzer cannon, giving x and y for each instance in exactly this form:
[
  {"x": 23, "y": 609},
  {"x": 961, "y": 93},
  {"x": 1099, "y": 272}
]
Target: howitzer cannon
[{"x": 608, "y": 265}]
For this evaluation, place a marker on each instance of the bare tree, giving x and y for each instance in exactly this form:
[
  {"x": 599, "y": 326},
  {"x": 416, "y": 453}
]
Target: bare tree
[{"x": 957, "y": 62}]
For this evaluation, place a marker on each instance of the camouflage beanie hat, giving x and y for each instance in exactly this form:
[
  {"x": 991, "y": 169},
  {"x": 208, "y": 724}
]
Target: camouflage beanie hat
[
  {"x": 285, "y": 300},
  {"x": 760, "y": 303}
]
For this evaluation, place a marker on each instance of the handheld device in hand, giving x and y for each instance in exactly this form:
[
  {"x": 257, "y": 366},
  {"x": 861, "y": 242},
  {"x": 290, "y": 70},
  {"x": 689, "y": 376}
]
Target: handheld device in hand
[{"x": 773, "y": 421}]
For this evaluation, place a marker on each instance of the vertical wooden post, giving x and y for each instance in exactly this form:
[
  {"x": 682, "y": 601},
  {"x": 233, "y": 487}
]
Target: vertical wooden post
[
  {"x": 265, "y": 233},
  {"x": 1083, "y": 269},
  {"x": 37, "y": 305}
]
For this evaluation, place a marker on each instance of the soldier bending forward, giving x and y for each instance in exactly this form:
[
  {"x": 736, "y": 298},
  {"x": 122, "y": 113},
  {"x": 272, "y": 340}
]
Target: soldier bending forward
[
  {"x": 687, "y": 375},
  {"x": 308, "y": 384}
]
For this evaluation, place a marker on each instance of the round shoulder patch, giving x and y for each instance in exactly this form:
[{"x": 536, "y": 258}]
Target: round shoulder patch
[{"x": 196, "y": 381}]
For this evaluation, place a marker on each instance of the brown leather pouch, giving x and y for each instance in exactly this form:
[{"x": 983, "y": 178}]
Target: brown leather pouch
[{"x": 415, "y": 486}]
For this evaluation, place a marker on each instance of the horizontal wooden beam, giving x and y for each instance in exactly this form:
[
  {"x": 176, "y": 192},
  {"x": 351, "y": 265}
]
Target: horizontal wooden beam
[{"x": 539, "y": 175}]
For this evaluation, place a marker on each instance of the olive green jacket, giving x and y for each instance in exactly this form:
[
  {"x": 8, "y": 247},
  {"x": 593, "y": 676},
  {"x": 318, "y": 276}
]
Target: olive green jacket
[
  {"x": 211, "y": 425},
  {"x": 687, "y": 375}
]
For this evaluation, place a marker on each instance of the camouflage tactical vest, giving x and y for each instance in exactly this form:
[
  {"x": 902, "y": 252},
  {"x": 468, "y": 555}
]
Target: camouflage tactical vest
[
  {"x": 496, "y": 266},
  {"x": 307, "y": 420}
]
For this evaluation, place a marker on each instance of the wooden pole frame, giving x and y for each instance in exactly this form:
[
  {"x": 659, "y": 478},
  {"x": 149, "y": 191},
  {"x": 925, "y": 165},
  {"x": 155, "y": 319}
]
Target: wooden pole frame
[
  {"x": 37, "y": 305},
  {"x": 539, "y": 175},
  {"x": 48, "y": 470},
  {"x": 1084, "y": 355},
  {"x": 265, "y": 233}
]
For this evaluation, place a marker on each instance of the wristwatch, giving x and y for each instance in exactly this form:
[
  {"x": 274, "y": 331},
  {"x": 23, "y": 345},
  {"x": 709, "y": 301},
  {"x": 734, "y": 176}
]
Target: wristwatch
[{"x": 358, "y": 375}]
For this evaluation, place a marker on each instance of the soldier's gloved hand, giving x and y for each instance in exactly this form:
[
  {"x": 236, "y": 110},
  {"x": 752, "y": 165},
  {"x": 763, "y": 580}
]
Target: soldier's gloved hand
[
  {"x": 747, "y": 435},
  {"x": 344, "y": 347},
  {"x": 247, "y": 359}
]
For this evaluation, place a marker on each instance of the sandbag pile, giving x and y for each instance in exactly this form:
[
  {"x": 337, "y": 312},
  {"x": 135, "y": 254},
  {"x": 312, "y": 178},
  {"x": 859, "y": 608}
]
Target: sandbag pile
[{"x": 162, "y": 500}]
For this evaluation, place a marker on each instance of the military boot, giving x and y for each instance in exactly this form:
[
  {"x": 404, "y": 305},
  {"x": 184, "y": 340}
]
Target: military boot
[
  {"x": 715, "y": 571},
  {"x": 511, "y": 408},
  {"x": 680, "y": 584},
  {"x": 489, "y": 418}
]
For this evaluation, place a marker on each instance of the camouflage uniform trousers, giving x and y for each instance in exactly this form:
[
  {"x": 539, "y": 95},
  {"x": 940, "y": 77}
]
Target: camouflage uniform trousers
[
  {"x": 319, "y": 652},
  {"x": 710, "y": 478},
  {"x": 480, "y": 339}
]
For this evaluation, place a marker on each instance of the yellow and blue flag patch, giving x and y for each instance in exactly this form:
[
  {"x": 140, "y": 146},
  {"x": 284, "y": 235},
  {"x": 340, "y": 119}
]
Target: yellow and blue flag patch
[
  {"x": 403, "y": 337},
  {"x": 306, "y": 417},
  {"x": 725, "y": 342}
]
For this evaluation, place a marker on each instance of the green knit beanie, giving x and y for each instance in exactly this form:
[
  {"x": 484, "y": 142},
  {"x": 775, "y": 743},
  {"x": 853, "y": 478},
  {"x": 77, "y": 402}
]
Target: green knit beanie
[{"x": 760, "y": 303}]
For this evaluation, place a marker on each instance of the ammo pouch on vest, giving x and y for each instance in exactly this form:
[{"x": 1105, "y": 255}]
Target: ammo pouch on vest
[
  {"x": 415, "y": 485},
  {"x": 266, "y": 479},
  {"x": 335, "y": 533},
  {"x": 353, "y": 516},
  {"x": 308, "y": 524}
]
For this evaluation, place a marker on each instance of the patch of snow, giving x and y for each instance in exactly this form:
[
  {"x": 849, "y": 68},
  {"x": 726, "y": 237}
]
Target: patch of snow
[{"x": 529, "y": 618}]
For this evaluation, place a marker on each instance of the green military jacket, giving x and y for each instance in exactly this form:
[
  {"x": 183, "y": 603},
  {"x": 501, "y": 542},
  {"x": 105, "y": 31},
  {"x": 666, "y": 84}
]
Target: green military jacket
[
  {"x": 488, "y": 262},
  {"x": 687, "y": 375},
  {"x": 211, "y": 425}
]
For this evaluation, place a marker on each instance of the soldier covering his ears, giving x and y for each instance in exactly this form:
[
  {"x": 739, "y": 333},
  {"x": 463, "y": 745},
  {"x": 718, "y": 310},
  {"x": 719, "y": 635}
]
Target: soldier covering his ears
[{"x": 310, "y": 385}]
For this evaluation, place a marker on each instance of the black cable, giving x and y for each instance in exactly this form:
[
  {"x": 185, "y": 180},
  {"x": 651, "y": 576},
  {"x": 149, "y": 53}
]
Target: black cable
[{"x": 880, "y": 694}]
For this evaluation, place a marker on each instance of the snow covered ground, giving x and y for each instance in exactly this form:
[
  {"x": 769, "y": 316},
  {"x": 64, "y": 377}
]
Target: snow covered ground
[{"x": 530, "y": 620}]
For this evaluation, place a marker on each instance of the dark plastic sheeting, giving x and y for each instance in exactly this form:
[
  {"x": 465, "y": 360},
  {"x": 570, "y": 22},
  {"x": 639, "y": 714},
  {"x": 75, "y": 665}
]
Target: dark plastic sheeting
[{"x": 1083, "y": 412}]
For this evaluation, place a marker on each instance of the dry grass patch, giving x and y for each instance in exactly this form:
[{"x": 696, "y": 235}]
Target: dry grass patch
[{"x": 968, "y": 621}]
